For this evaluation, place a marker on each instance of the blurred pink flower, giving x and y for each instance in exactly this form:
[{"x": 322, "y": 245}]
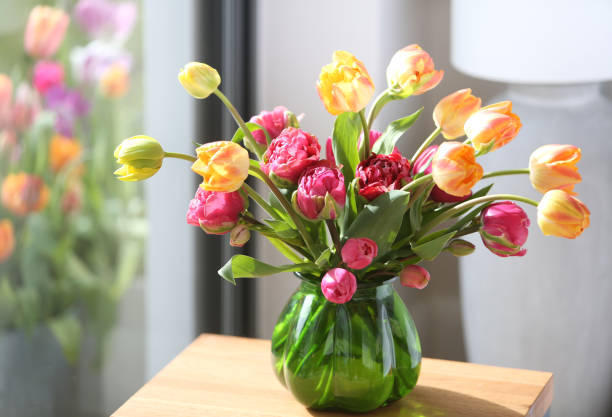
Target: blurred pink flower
[
  {"x": 6, "y": 101},
  {"x": 91, "y": 62},
  {"x": 106, "y": 19},
  {"x": 26, "y": 108},
  {"x": 45, "y": 31},
  {"x": 47, "y": 74}
]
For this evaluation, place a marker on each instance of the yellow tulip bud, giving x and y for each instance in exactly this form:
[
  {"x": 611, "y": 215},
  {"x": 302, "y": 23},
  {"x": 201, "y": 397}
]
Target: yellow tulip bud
[
  {"x": 560, "y": 214},
  {"x": 141, "y": 157},
  {"x": 453, "y": 110},
  {"x": 492, "y": 126},
  {"x": 553, "y": 167},
  {"x": 411, "y": 71},
  {"x": 200, "y": 80},
  {"x": 223, "y": 165}
]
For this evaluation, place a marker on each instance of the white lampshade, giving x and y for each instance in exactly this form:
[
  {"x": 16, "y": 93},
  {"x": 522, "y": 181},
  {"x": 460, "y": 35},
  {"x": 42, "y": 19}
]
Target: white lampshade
[{"x": 533, "y": 41}]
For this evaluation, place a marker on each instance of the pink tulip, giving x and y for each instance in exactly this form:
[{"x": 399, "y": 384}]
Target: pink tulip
[
  {"x": 358, "y": 253},
  {"x": 215, "y": 212},
  {"x": 321, "y": 193},
  {"x": 414, "y": 276},
  {"x": 26, "y": 108},
  {"x": 289, "y": 155},
  {"x": 382, "y": 173},
  {"x": 423, "y": 165},
  {"x": 47, "y": 74},
  {"x": 504, "y": 229},
  {"x": 274, "y": 122},
  {"x": 106, "y": 19},
  {"x": 6, "y": 101},
  {"x": 45, "y": 31},
  {"x": 338, "y": 285}
]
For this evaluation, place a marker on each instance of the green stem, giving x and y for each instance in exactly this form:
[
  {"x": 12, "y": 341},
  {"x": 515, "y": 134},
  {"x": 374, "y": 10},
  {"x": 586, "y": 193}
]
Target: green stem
[
  {"x": 259, "y": 199},
  {"x": 412, "y": 185},
  {"x": 425, "y": 144},
  {"x": 365, "y": 143},
  {"x": 281, "y": 244},
  {"x": 505, "y": 172},
  {"x": 380, "y": 102},
  {"x": 333, "y": 231},
  {"x": 251, "y": 142},
  {"x": 286, "y": 205},
  {"x": 180, "y": 156}
]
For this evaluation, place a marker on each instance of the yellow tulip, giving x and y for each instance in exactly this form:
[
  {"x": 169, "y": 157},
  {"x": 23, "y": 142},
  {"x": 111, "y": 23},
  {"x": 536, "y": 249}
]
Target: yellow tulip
[
  {"x": 199, "y": 80},
  {"x": 492, "y": 126},
  {"x": 141, "y": 157},
  {"x": 553, "y": 167},
  {"x": 454, "y": 168},
  {"x": 223, "y": 165},
  {"x": 411, "y": 71},
  {"x": 451, "y": 113},
  {"x": 560, "y": 214}
]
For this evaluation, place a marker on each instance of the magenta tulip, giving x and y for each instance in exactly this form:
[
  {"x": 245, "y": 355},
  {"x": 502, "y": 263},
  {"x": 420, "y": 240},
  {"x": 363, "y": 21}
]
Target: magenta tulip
[
  {"x": 414, "y": 276},
  {"x": 358, "y": 253},
  {"x": 338, "y": 285},
  {"x": 504, "y": 229},
  {"x": 215, "y": 212}
]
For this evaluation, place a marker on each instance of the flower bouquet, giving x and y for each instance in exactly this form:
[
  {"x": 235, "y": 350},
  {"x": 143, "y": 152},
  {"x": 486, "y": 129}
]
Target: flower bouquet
[
  {"x": 66, "y": 253},
  {"x": 351, "y": 223}
]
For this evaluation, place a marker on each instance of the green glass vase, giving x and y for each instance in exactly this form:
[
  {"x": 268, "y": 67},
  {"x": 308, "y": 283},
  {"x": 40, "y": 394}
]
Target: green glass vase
[{"x": 355, "y": 357}]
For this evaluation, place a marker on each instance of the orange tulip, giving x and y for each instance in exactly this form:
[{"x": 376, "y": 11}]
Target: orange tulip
[
  {"x": 24, "y": 193},
  {"x": 492, "y": 126},
  {"x": 453, "y": 110},
  {"x": 6, "y": 101},
  {"x": 560, "y": 214},
  {"x": 62, "y": 151},
  {"x": 553, "y": 167},
  {"x": 411, "y": 71},
  {"x": 115, "y": 81},
  {"x": 45, "y": 31},
  {"x": 454, "y": 168},
  {"x": 345, "y": 85},
  {"x": 7, "y": 239},
  {"x": 224, "y": 166}
]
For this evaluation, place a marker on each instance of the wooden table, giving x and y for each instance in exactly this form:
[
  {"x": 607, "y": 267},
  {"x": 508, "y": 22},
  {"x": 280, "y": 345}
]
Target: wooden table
[{"x": 232, "y": 376}]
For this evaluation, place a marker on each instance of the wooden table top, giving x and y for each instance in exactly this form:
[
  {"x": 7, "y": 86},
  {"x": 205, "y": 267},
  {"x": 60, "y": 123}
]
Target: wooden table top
[{"x": 232, "y": 376}]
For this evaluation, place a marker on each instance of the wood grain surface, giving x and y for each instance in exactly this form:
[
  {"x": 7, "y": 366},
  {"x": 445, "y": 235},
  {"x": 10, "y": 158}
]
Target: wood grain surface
[{"x": 232, "y": 376}]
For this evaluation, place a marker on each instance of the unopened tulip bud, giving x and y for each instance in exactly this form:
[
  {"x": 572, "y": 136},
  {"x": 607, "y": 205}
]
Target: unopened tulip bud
[
  {"x": 239, "y": 236},
  {"x": 141, "y": 157},
  {"x": 414, "y": 276},
  {"x": 460, "y": 247},
  {"x": 411, "y": 71},
  {"x": 553, "y": 167},
  {"x": 358, "y": 253},
  {"x": 199, "y": 80},
  {"x": 338, "y": 285}
]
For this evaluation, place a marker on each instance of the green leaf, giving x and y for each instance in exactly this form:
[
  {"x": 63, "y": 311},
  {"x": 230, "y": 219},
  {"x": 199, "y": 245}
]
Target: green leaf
[
  {"x": 67, "y": 330},
  {"x": 242, "y": 266},
  {"x": 381, "y": 219},
  {"x": 386, "y": 143},
  {"x": 253, "y": 127},
  {"x": 429, "y": 250},
  {"x": 344, "y": 143},
  {"x": 323, "y": 259},
  {"x": 283, "y": 229}
]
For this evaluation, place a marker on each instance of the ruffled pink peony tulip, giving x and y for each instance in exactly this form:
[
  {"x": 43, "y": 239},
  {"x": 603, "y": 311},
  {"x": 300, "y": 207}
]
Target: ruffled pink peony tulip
[
  {"x": 289, "y": 155},
  {"x": 45, "y": 31},
  {"x": 381, "y": 173},
  {"x": 274, "y": 122},
  {"x": 47, "y": 74},
  {"x": 358, "y": 253},
  {"x": 215, "y": 212},
  {"x": 338, "y": 285},
  {"x": 321, "y": 193},
  {"x": 414, "y": 276},
  {"x": 504, "y": 229},
  {"x": 423, "y": 165}
]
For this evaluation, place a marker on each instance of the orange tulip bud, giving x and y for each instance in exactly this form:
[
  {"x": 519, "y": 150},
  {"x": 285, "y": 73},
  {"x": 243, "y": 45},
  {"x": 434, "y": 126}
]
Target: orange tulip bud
[
  {"x": 7, "y": 239},
  {"x": 45, "y": 31},
  {"x": 553, "y": 167},
  {"x": 453, "y": 110},
  {"x": 115, "y": 81},
  {"x": 411, "y": 71},
  {"x": 224, "y": 166},
  {"x": 62, "y": 151},
  {"x": 454, "y": 168},
  {"x": 560, "y": 214},
  {"x": 492, "y": 126},
  {"x": 345, "y": 85},
  {"x": 24, "y": 193}
]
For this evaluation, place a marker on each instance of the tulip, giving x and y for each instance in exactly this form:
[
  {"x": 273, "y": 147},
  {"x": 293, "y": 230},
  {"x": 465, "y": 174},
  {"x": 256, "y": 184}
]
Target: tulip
[
  {"x": 504, "y": 230},
  {"x": 199, "y": 80},
  {"x": 411, "y": 71},
  {"x": 451, "y": 113},
  {"x": 68, "y": 105},
  {"x": 289, "y": 155},
  {"x": 492, "y": 127},
  {"x": 358, "y": 253},
  {"x": 320, "y": 194},
  {"x": 72, "y": 199},
  {"x": 344, "y": 84},
  {"x": 115, "y": 81},
  {"x": 141, "y": 157},
  {"x": 422, "y": 165},
  {"x": 560, "y": 214},
  {"x": 45, "y": 31},
  {"x": 26, "y": 108},
  {"x": 46, "y": 75},
  {"x": 92, "y": 62},
  {"x": 338, "y": 285},
  {"x": 62, "y": 151},
  {"x": 24, "y": 193},
  {"x": 239, "y": 236},
  {"x": 274, "y": 122},
  {"x": 103, "y": 18},
  {"x": 454, "y": 168},
  {"x": 553, "y": 167},
  {"x": 7, "y": 239},
  {"x": 460, "y": 247},
  {"x": 223, "y": 165},
  {"x": 6, "y": 100},
  {"x": 414, "y": 276},
  {"x": 381, "y": 173},
  {"x": 215, "y": 212}
]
